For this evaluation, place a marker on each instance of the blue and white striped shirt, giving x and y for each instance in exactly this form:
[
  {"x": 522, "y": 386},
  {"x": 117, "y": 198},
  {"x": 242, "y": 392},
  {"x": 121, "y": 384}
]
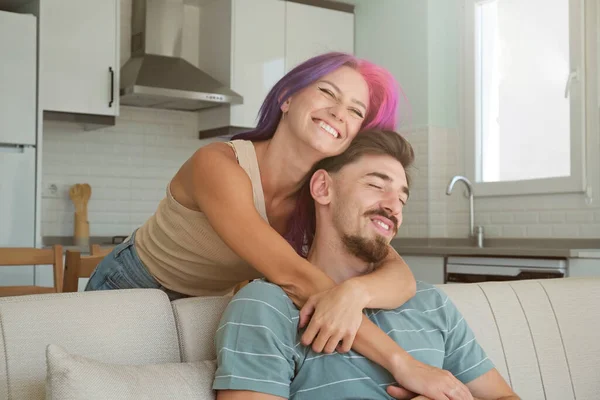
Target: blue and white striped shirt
[{"x": 258, "y": 347}]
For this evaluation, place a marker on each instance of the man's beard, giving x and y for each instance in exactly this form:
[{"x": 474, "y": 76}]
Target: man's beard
[{"x": 369, "y": 250}]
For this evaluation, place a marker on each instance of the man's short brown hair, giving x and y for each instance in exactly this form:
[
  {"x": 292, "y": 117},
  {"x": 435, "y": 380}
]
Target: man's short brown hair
[
  {"x": 374, "y": 142},
  {"x": 301, "y": 231}
]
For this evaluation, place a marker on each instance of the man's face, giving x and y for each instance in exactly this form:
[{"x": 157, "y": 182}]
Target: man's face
[{"x": 368, "y": 197}]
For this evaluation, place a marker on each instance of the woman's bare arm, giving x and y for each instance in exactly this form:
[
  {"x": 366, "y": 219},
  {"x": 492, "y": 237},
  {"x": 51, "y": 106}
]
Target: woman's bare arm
[
  {"x": 390, "y": 285},
  {"x": 223, "y": 191}
]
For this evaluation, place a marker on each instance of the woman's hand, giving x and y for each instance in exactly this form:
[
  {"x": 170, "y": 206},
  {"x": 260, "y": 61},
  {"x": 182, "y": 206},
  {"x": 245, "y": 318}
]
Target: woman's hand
[
  {"x": 431, "y": 382},
  {"x": 335, "y": 316}
]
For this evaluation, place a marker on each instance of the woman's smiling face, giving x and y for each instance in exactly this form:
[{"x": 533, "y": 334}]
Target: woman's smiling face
[{"x": 328, "y": 114}]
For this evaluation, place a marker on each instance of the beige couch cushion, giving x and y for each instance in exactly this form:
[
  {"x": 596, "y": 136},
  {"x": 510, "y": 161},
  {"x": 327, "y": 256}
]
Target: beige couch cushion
[
  {"x": 542, "y": 335},
  {"x": 197, "y": 321},
  {"x": 73, "y": 377},
  {"x": 575, "y": 304},
  {"x": 3, "y": 373},
  {"x": 122, "y": 327}
]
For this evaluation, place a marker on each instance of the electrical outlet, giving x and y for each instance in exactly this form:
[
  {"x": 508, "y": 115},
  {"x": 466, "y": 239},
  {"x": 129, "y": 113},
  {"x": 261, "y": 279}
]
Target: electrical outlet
[{"x": 52, "y": 191}]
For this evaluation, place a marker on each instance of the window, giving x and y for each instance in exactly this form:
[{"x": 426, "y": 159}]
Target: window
[{"x": 524, "y": 96}]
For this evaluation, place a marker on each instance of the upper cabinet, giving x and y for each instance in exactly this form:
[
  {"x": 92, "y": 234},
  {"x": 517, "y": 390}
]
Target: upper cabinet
[
  {"x": 250, "y": 45},
  {"x": 79, "y": 56},
  {"x": 257, "y": 56},
  {"x": 311, "y": 30},
  {"x": 17, "y": 78}
]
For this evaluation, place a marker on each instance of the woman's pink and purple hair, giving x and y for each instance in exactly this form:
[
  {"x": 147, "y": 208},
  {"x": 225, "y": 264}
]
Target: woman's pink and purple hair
[
  {"x": 383, "y": 93},
  {"x": 381, "y": 114}
]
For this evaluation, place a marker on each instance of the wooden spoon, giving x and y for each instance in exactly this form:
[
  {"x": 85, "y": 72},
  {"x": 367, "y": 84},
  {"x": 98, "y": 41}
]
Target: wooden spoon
[
  {"x": 76, "y": 197},
  {"x": 80, "y": 194},
  {"x": 86, "y": 191}
]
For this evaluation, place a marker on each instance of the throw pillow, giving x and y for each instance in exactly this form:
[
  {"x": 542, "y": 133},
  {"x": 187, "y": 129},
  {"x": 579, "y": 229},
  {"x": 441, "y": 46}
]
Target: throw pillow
[{"x": 71, "y": 377}]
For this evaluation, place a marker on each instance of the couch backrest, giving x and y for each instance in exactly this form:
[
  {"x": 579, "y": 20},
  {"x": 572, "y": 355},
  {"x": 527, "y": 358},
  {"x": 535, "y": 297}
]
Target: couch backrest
[
  {"x": 121, "y": 327},
  {"x": 542, "y": 335},
  {"x": 197, "y": 320}
]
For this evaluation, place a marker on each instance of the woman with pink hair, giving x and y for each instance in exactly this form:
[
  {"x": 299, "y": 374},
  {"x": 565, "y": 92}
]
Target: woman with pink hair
[{"x": 231, "y": 214}]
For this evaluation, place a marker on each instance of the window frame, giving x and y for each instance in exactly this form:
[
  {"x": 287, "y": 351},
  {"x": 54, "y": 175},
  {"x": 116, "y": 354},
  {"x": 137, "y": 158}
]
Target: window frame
[{"x": 576, "y": 182}]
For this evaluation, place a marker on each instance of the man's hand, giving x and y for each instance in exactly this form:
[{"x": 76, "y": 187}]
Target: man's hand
[
  {"x": 335, "y": 316},
  {"x": 434, "y": 383},
  {"x": 402, "y": 394}
]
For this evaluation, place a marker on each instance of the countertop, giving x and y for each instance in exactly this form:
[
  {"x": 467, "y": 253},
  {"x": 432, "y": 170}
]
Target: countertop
[{"x": 547, "y": 248}]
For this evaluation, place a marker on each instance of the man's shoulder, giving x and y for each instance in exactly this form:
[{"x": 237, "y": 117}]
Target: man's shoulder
[
  {"x": 255, "y": 341},
  {"x": 260, "y": 289},
  {"x": 260, "y": 296},
  {"x": 428, "y": 295},
  {"x": 429, "y": 303}
]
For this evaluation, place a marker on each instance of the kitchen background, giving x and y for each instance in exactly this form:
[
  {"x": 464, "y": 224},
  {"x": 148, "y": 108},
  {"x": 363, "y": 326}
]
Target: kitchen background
[
  {"x": 131, "y": 153},
  {"x": 128, "y": 165}
]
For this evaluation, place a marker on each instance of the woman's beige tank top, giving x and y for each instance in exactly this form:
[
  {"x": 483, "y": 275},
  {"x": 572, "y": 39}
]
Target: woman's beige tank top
[{"x": 181, "y": 250}]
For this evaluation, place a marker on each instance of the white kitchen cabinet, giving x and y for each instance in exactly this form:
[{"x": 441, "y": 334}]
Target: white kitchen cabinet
[
  {"x": 250, "y": 45},
  {"x": 17, "y": 79},
  {"x": 428, "y": 269},
  {"x": 242, "y": 45},
  {"x": 258, "y": 55},
  {"x": 311, "y": 30},
  {"x": 79, "y": 56},
  {"x": 584, "y": 267}
]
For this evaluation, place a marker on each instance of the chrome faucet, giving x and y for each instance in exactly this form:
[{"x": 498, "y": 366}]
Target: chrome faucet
[{"x": 470, "y": 192}]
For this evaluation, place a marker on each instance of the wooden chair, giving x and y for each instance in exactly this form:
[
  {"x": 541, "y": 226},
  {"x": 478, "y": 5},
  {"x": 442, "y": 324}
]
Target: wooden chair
[
  {"x": 26, "y": 256},
  {"x": 78, "y": 266},
  {"x": 96, "y": 250}
]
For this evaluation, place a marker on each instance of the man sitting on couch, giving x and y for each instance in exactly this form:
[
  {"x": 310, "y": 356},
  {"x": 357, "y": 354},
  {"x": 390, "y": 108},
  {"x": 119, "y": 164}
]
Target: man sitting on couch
[{"x": 358, "y": 199}]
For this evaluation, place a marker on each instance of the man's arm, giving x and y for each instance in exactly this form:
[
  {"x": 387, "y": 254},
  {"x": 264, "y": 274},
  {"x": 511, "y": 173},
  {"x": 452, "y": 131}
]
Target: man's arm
[
  {"x": 245, "y": 395},
  {"x": 255, "y": 345},
  {"x": 491, "y": 386}
]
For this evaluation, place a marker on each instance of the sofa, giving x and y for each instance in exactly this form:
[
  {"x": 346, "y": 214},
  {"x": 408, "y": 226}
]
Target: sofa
[{"x": 544, "y": 336}]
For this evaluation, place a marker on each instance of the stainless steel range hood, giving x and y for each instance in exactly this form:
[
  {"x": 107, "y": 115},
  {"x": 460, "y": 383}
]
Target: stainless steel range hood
[{"x": 155, "y": 76}]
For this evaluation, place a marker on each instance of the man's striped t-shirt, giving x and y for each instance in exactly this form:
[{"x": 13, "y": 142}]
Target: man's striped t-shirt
[{"x": 258, "y": 347}]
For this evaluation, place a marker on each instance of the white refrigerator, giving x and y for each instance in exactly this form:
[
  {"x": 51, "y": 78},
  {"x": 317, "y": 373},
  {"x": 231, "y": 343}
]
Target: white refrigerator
[{"x": 18, "y": 146}]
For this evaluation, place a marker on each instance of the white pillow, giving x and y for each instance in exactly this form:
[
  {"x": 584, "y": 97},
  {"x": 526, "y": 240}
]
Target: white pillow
[{"x": 72, "y": 377}]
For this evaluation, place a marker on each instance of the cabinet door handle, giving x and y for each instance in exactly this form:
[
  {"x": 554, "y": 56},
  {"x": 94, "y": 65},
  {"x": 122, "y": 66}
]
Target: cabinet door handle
[{"x": 112, "y": 86}]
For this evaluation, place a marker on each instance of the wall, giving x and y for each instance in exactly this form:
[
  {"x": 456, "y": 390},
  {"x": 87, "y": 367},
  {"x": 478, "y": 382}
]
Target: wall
[
  {"x": 392, "y": 34},
  {"x": 420, "y": 43},
  {"x": 127, "y": 165}
]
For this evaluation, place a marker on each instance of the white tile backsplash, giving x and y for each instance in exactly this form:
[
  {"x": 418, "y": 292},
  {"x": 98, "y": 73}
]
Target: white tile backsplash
[
  {"x": 127, "y": 165},
  {"x": 417, "y": 212}
]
